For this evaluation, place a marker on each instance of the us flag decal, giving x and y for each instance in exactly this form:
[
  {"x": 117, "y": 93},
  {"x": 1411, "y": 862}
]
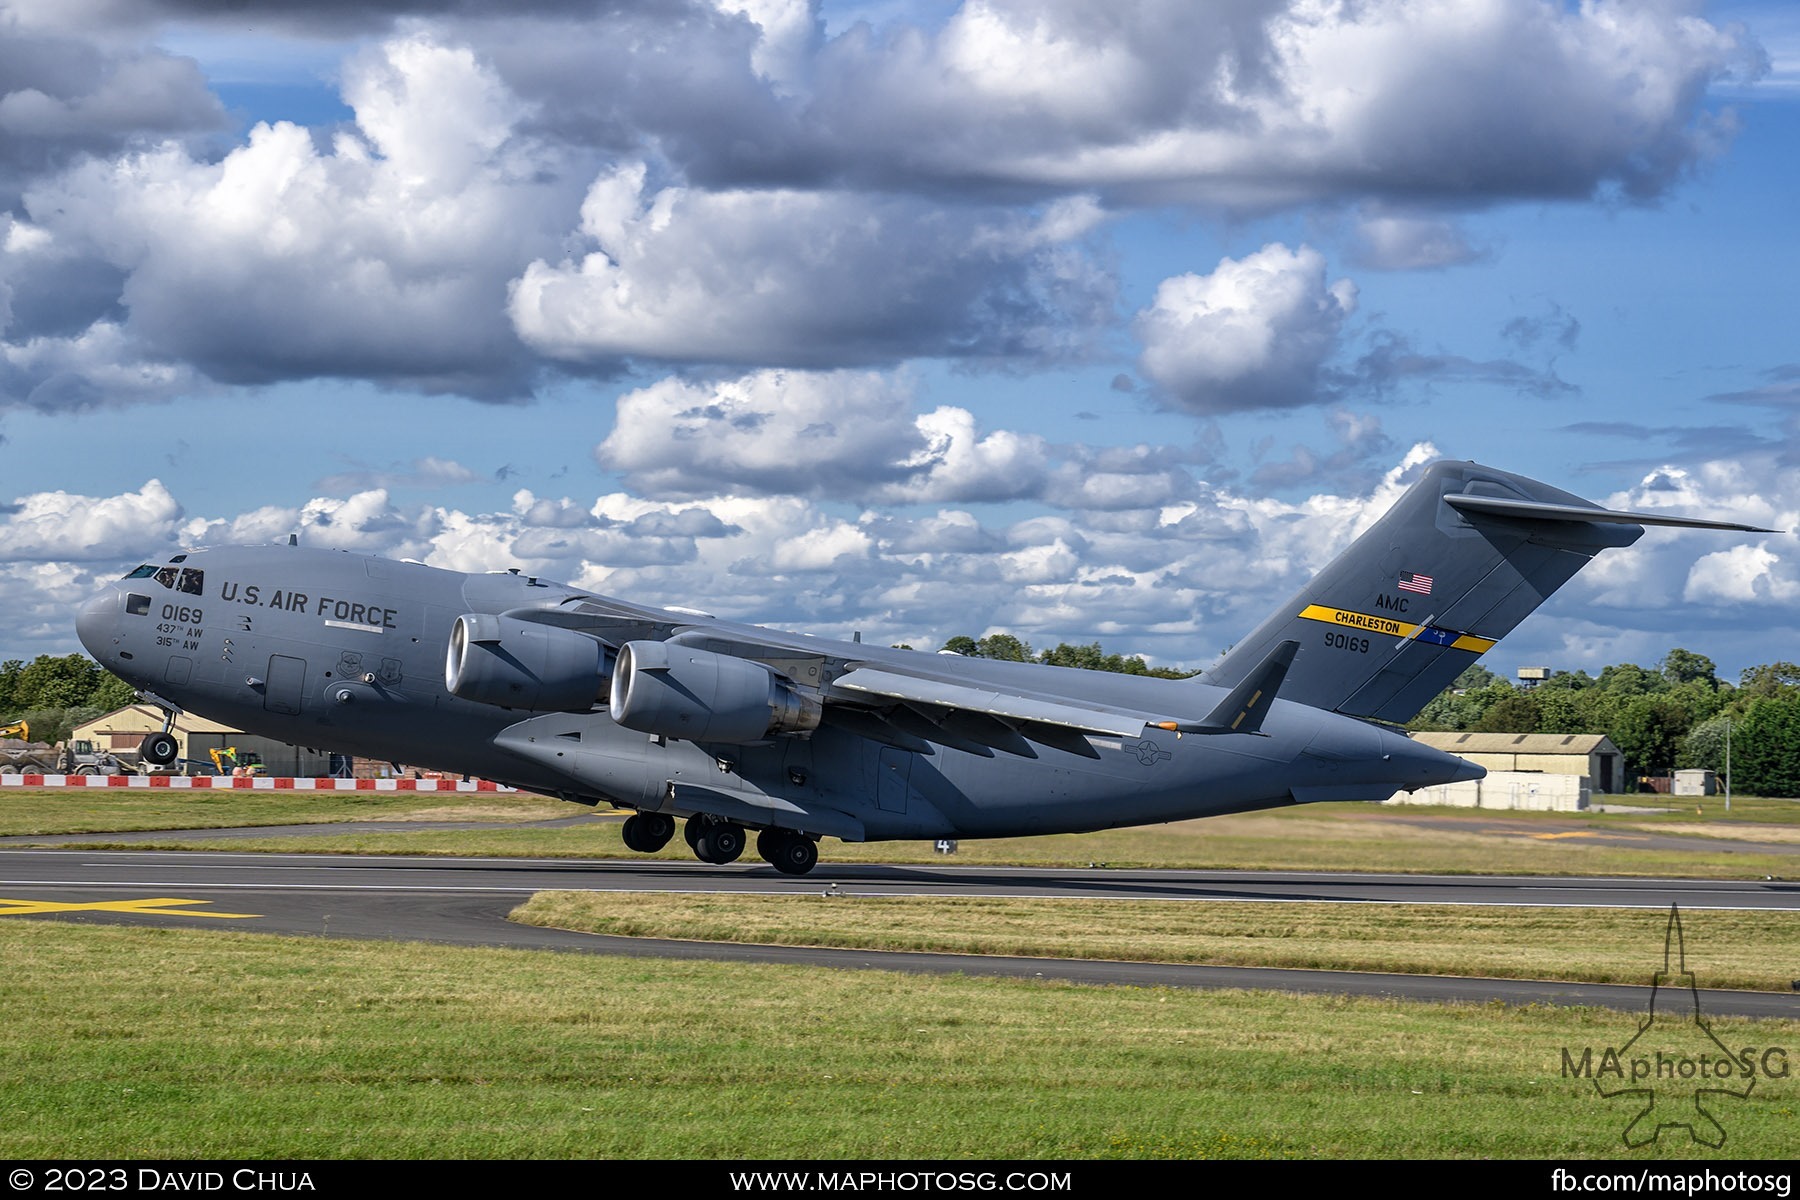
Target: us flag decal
[{"x": 1416, "y": 582}]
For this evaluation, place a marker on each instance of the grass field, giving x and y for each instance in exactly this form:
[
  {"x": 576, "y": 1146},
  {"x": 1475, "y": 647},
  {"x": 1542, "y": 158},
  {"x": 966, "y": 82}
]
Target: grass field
[
  {"x": 1756, "y": 950},
  {"x": 109, "y": 810},
  {"x": 1337, "y": 837},
  {"x": 140, "y": 1043},
  {"x": 149, "y": 1043}
]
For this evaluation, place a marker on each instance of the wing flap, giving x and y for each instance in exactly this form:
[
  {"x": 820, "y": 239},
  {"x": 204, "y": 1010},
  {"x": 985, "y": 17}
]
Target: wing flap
[
  {"x": 869, "y": 685},
  {"x": 971, "y": 718}
]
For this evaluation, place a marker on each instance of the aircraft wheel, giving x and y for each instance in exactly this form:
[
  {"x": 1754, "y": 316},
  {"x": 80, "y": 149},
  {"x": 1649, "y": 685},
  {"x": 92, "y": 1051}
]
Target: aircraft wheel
[
  {"x": 768, "y": 844},
  {"x": 160, "y": 748},
  {"x": 692, "y": 830},
  {"x": 632, "y": 834},
  {"x": 654, "y": 830},
  {"x": 721, "y": 843},
  {"x": 795, "y": 853}
]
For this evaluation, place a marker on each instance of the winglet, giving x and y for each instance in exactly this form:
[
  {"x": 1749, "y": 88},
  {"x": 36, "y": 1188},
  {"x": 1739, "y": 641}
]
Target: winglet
[{"x": 1244, "y": 709}]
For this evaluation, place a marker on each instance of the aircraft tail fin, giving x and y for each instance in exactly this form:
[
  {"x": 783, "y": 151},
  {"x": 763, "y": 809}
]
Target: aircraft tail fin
[{"x": 1465, "y": 555}]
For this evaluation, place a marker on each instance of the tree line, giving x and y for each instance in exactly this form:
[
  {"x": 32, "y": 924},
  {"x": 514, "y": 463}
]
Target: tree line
[
  {"x": 1668, "y": 717},
  {"x": 1091, "y": 657},
  {"x": 54, "y": 695}
]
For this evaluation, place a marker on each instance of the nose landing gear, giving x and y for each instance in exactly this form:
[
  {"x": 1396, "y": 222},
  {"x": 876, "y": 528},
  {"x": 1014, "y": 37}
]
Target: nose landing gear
[{"x": 160, "y": 749}]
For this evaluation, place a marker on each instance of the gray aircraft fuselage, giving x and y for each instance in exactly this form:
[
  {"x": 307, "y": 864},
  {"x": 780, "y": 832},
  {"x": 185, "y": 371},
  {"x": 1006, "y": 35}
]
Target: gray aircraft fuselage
[{"x": 347, "y": 653}]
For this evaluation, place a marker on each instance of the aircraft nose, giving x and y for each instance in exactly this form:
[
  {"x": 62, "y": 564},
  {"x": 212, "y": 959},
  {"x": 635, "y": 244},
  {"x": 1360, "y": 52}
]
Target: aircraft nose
[{"x": 97, "y": 622}]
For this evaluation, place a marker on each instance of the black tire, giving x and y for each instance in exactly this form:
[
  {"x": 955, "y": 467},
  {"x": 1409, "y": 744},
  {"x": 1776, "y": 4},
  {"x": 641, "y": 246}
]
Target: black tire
[
  {"x": 87, "y": 770},
  {"x": 721, "y": 843},
  {"x": 655, "y": 830},
  {"x": 647, "y": 832},
  {"x": 795, "y": 854},
  {"x": 160, "y": 749},
  {"x": 692, "y": 830}
]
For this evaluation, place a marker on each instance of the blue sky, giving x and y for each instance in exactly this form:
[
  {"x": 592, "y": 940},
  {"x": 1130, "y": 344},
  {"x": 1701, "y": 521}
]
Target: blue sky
[{"x": 918, "y": 319}]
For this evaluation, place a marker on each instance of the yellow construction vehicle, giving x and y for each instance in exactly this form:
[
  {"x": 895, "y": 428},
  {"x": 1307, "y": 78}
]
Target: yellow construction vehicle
[
  {"x": 249, "y": 764},
  {"x": 18, "y": 729}
]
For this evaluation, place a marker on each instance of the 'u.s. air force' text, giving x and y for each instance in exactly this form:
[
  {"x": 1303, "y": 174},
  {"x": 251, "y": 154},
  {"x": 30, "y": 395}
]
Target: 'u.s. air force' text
[{"x": 325, "y": 606}]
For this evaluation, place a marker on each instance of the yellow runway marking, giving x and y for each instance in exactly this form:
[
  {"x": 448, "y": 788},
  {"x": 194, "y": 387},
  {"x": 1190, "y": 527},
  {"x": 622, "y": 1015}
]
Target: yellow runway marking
[
  {"x": 1547, "y": 837},
  {"x": 160, "y": 907}
]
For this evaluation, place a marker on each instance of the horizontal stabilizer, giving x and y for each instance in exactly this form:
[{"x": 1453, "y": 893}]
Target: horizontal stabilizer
[{"x": 1533, "y": 510}]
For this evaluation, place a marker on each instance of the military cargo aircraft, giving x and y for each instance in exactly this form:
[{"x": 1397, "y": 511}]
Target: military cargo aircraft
[{"x": 734, "y": 728}]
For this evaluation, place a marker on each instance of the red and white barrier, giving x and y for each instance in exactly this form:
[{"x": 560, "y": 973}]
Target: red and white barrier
[{"x": 274, "y": 783}]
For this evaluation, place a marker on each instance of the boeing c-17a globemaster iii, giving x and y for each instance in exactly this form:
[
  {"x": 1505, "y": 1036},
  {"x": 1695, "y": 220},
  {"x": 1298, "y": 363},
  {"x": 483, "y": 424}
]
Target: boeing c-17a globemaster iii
[{"x": 732, "y": 728}]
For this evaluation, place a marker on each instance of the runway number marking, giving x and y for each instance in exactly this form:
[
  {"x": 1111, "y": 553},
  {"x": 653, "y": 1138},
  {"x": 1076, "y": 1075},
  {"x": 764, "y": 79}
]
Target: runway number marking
[{"x": 163, "y": 907}]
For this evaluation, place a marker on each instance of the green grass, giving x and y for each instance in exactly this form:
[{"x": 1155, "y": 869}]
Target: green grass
[
  {"x": 1758, "y": 950},
  {"x": 110, "y": 810},
  {"x": 1334, "y": 837},
  {"x": 143, "y": 1043},
  {"x": 1326, "y": 838}
]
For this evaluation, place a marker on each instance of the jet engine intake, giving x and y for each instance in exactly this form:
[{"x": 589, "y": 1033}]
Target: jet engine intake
[
  {"x": 521, "y": 664},
  {"x": 675, "y": 691}
]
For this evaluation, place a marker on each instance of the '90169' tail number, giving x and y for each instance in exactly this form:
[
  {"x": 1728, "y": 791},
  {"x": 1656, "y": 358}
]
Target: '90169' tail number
[{"x": 1344, "y": 641}]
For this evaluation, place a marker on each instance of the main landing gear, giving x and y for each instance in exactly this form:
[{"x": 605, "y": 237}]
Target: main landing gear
[
  {"x": 788, "y": 852},
  {"x": 720, "y": 842},
  {"x": 648, "y": 832}
]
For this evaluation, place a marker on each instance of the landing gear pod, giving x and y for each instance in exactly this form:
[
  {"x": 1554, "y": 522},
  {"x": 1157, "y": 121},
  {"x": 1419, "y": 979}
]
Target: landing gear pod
[
  {"x": 675, "y": 691},
  {"x": 521, "y": 664}
]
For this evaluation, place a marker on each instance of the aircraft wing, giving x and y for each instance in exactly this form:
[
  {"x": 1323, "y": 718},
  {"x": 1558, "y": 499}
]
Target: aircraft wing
[
  {"x": 914, "y": 712},
  {"x": 923, "y": 703}
]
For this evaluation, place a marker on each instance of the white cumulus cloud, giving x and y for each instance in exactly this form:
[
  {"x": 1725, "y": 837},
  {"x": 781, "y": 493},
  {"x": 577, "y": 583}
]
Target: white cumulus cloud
[{"x": 1252, "y": 334}]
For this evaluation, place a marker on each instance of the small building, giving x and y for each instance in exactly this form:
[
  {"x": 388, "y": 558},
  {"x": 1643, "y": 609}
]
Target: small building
[
  {"x": 122, "y": 731},
  {"x": 1513, "y": 790},
  {"x": 1695, "y": 781},
  {"x": 1589, "y": 755}
]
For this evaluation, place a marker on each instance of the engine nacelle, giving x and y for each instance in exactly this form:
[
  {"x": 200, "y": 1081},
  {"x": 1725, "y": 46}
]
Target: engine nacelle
[
  {"x": 522, "y": 664},
  {"x": 675, "y": 691}
]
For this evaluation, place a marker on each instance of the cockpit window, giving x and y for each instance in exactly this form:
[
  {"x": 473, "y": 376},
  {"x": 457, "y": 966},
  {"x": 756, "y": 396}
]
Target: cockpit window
[
  {"x": 136, "y": 605},
  {"x": 187, "y": 580}
]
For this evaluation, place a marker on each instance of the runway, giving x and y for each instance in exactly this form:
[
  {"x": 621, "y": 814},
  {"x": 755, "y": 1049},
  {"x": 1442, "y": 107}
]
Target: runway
[{"x": 465, "y": 902}]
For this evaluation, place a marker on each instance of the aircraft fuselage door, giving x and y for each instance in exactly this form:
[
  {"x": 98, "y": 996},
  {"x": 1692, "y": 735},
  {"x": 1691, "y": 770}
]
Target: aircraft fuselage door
[
  {"x": 893, "y": 779},
  {"x": 285, "y": 684}
]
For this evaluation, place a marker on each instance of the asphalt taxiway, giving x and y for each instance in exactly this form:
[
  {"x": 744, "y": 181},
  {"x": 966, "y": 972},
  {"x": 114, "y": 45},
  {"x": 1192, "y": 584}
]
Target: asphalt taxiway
[{"x": 465, "y": 902}]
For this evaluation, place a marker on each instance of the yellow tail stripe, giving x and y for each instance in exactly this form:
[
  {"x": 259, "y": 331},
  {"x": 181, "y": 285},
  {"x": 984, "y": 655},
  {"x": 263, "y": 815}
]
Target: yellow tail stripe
[{"x": 1393, "y": 628}]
